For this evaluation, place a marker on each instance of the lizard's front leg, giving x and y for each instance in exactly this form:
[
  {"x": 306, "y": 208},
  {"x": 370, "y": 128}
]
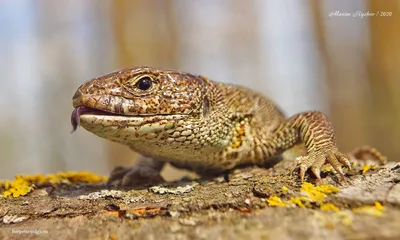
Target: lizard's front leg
[
  {"x": 316, "y": 133},
  {"x": 145, "y": 171}
]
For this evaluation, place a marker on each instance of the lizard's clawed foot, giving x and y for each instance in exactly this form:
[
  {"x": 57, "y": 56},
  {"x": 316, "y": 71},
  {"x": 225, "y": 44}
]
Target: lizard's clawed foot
[
  {"x": 138, "y": 175},
  {"x": 316, "y": 160}
]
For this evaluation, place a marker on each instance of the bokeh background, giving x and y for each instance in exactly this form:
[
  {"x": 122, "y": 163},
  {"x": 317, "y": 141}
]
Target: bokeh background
[{"x": 297, "y": 52}]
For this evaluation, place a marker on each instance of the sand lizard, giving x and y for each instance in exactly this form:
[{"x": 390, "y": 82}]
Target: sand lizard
[{"x": 198, "y": 124}]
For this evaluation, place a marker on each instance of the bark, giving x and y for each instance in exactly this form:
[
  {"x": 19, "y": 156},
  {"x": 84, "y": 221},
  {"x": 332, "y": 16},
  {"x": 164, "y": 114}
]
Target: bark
[{"x": 243, "y": 206}]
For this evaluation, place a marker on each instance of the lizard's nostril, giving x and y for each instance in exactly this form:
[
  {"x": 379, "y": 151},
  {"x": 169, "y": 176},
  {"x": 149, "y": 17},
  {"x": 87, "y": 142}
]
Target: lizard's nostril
[
  {"x": 77, "y": 94},
  {"x": 77, "y": 98}
]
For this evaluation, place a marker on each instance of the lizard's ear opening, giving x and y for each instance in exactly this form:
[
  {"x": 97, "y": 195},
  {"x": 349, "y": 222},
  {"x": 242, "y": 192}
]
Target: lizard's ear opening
[{"x": 206, "y": 106}]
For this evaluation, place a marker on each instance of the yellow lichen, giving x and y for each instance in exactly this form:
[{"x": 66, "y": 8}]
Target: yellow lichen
[
  {"x": 313, "y": 195},
  {"x": 16, "y": 188},
  {"x": 377, "y": 210},
  {"x": 275, "y": 201},
  {"x": 329, "y": 207},
  {"x": 346, "y": 221},
  {"x": 367, "y": 168},
  {"x": 379, "y": 206},
  {"x": 284, "y": 189},
  {"x": 24, "y": 184},
  {"x": 318, "y": 194},
  {"x": 302, "y": 202},
  {"x": 345, "y": 217},
  {"x": 327, "y": 169}
]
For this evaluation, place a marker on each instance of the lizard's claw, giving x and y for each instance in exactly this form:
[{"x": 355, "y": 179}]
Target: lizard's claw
[
  {"x": 316, "y": 160},
  {"x": 134, "y": 176}
]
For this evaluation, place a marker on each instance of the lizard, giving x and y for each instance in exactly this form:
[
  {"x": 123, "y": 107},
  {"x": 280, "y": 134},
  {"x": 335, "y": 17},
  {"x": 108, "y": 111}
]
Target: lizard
[{"x": 199, "y": 124}]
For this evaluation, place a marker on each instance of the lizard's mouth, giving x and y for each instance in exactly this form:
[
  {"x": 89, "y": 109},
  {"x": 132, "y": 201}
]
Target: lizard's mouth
[
  {"x": 85, "y": 110},
  {"x": 81, "y": 110}
]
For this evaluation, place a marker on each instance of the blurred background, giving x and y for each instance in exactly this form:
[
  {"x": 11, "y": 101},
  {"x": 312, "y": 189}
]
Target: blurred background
[{"x": 302, "y": 54}]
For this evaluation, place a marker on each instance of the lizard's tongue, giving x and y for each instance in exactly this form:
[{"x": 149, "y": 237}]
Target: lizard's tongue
[
  {"x": 79, "y": 111},
  {"x": 76, "y": 117}
]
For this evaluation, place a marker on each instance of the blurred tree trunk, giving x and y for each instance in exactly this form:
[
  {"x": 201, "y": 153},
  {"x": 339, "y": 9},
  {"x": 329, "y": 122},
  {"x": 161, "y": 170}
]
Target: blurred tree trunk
[
  {"x": 345, "y": 74},
  {"x": 363, "y": 84},
  {"x": 141, "y": 39},
  {"x": 384, "y": 67},
  {"x": 243, "y": 43}
]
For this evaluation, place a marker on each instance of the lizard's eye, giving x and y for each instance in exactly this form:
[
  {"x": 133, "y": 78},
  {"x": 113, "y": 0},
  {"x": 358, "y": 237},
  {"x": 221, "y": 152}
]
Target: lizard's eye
[{"x": 144, "y": 83}]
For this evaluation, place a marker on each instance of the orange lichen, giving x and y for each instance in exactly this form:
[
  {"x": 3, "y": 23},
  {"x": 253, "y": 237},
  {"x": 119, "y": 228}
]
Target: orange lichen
[
  {"x": 144, "y": 212},
  {"x": 113, "y": 236},
  {"x": 23, "y": 184}
]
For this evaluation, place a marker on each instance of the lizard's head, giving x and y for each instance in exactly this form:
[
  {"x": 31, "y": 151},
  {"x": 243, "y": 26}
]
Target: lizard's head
[{"x": 140, "y": 104}]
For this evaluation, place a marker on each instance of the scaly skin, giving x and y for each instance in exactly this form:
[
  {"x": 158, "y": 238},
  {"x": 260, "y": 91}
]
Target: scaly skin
[{"x": 197, "y": 124}]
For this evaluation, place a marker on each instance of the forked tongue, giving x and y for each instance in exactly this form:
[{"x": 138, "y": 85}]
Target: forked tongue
[
  {"x": 79, "y": 111},
  {"x": 76, "y": 118}
]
